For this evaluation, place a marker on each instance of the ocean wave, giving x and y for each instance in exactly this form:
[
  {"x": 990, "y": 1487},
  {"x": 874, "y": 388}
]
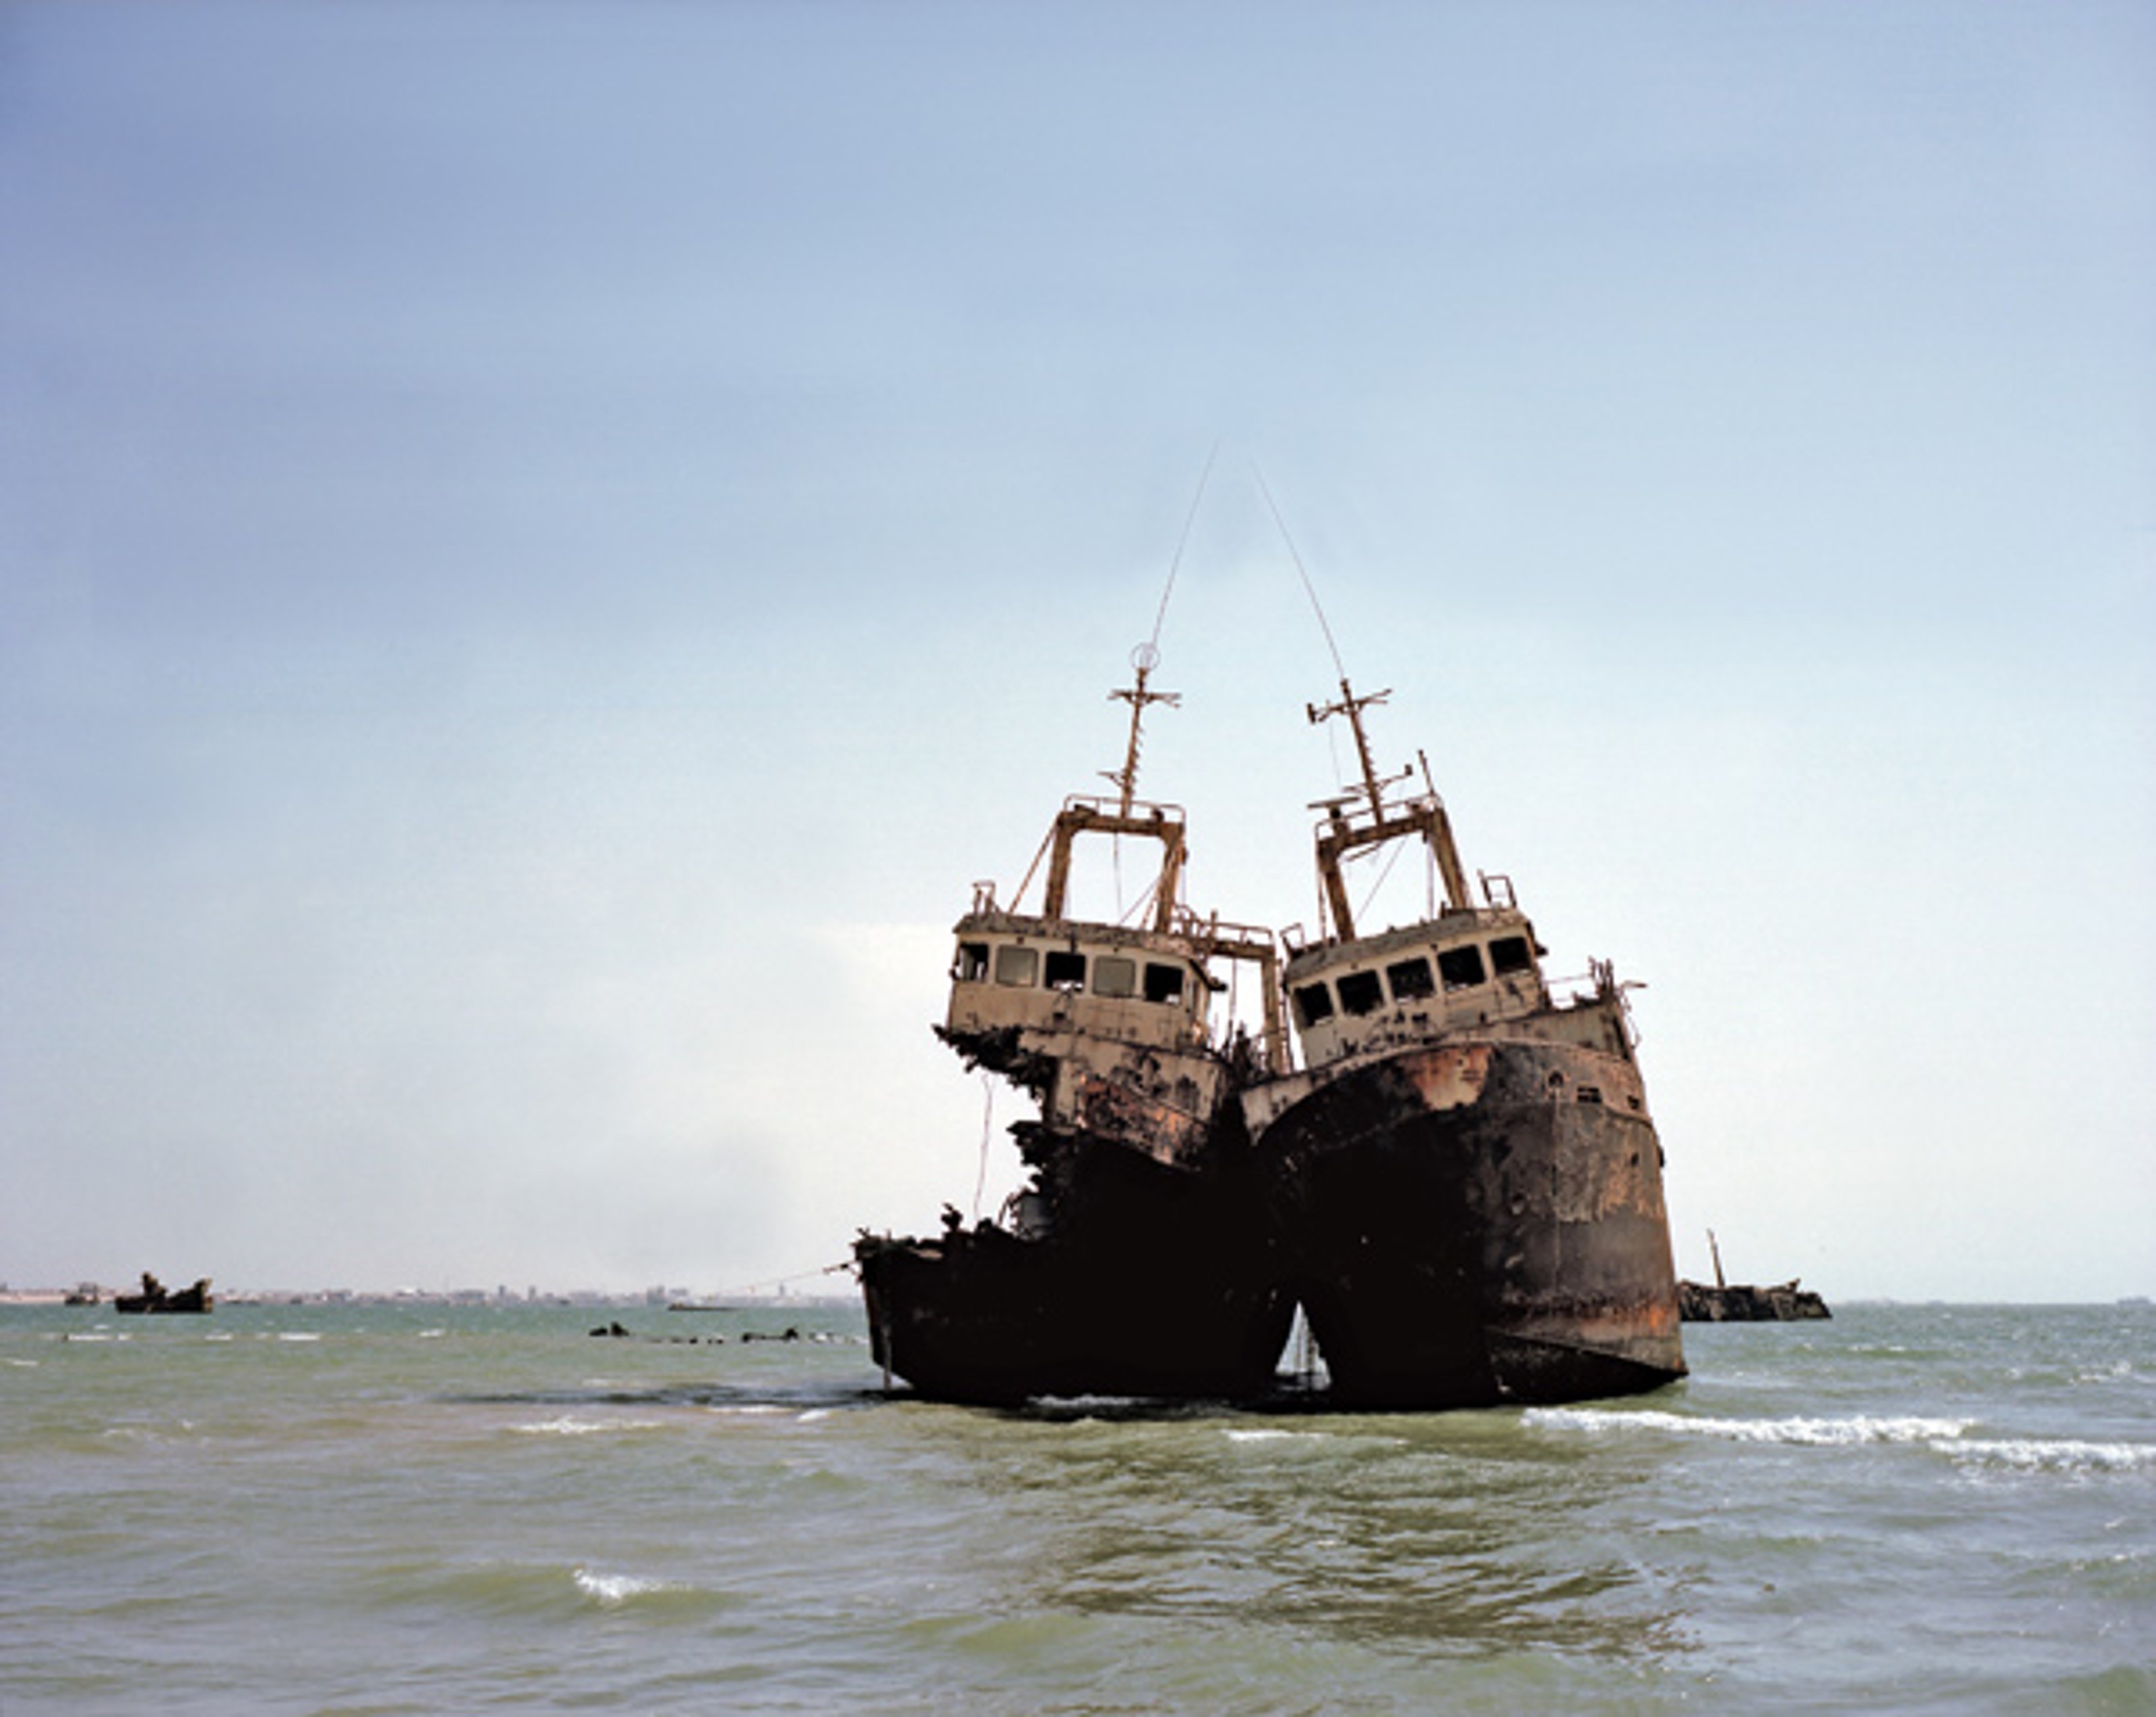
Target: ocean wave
[
  {"x": 1944, "y": 1437},
  {"x": 568, "y": 1426},
  {"x": 1862, "y": 1428},
  {"x": 612, "y": 1590},
  {"x": 2052, "y": 1455}
]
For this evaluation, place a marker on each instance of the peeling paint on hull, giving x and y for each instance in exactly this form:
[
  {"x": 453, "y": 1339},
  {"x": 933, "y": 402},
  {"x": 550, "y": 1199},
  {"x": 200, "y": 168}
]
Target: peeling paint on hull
[{"x": 1463, "y": 1230}]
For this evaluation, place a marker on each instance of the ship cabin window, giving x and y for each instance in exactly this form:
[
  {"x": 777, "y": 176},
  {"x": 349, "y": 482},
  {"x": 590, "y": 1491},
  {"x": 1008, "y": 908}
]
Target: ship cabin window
[
  {"x": 1313, "y": 1003},
  {"x": 1114, "y": 975},
  {"x": 1163, "y": 983},
  {"x": 1065, "y": 970},
  {"x": 1014, "y": 966},
  {"x": 1511, "y": 953},
  {"x": 1359, "y": 992},
  {"x": 1410, "y": 979},
  {"x": 1462, "y": 967},
  {"x": 972, "y": 963}
]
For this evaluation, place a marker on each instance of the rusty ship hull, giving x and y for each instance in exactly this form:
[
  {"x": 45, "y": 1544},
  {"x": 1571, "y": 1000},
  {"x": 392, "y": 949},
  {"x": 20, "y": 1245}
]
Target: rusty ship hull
[
  {"x": 1476, "y": 1224},
  {"x": 1153, "y": 1283}
]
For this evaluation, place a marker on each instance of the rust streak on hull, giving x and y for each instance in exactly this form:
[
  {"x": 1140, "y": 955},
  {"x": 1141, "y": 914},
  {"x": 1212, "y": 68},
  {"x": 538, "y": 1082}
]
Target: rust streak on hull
[{"x": 1464, "y": 1231}]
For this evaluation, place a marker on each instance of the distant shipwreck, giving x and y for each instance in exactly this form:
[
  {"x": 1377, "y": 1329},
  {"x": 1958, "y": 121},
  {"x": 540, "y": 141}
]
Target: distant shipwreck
[
  {"x": 1740, "y": 1303},
  {"x": 155, "y": 1296}
]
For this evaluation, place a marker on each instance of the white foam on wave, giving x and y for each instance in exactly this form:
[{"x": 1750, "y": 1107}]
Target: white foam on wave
[
  {"x": 812, "y": 1416},
  {"x": 612, "y": 1590},
  {"x": 2052, "y": 1455},
  {"x": 296, "y": 1335},
  {"x": 569, "y": 1426},
  {"x": 1862, "y": 1428},
  {"x": 1942, "y": 1437}
]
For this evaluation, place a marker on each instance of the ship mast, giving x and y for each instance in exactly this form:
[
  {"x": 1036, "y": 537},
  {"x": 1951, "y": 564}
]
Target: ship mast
[
  {"x": 1143, "y": 660},
  {"x": 1082, "y": 816},
  {"x": 1348, "y": 830}
]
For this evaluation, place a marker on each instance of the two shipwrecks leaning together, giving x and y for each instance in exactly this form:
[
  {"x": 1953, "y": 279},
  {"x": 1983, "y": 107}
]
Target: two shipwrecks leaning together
[{"x": 1457, "y": 1178}]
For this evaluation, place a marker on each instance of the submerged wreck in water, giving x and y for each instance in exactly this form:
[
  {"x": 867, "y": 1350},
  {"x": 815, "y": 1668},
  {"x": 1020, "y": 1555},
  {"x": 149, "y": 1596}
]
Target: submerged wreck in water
[{"x": 1458, "y": 1180}]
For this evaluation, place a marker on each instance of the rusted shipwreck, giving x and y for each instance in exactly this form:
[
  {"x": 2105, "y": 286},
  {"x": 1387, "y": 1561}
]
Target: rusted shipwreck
[
  {"x": 1138, "y": 1259},
  {"x": 1728, "y": 1301},
  {"x": 1745, "y": 1302},
  {"x": 155, "y": 1296},
  {"x": 1464, "y": 1174},
  {"x": 1459, "y": 1182}
]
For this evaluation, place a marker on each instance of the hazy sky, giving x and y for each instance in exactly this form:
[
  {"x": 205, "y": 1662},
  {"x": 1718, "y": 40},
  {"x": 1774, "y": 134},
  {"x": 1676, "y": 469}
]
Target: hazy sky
[{"x": 543, "y": 547}]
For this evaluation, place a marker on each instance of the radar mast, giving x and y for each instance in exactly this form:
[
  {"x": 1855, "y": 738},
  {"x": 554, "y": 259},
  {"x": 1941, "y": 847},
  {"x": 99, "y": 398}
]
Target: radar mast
[{"x": 1349, "y": 828}]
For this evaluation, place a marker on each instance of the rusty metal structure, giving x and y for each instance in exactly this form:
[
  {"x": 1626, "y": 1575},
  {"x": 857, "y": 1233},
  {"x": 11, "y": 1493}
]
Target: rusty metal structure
[
  {"x": 1728, "y": 1301},
  {"x": 1457, "y": 1178},
  {"x": 1463, "y": 1176},
  {"x": 1137, "y": 1259}
]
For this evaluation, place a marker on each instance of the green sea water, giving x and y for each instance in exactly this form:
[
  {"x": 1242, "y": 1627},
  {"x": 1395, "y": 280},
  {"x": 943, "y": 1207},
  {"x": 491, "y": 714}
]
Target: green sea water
[{"x": 384, "y": 1509}]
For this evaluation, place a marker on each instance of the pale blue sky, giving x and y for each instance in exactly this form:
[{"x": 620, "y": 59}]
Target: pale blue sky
[{"x": 543, "y": 548}]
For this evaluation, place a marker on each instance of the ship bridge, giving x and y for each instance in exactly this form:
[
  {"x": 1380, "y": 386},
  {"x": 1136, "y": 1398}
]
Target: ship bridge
[{"x": 1470, "y": 968}]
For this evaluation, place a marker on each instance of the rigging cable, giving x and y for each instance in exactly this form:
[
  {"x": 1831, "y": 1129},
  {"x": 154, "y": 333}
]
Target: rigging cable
[
  {"x": 1183, "y": 543},
  {"x": 987, "y": 1125},
  {"x": 1391, "y": 859},
  {"x": 1152, "y": 648},
  {"x": 1309, "y": 589}
]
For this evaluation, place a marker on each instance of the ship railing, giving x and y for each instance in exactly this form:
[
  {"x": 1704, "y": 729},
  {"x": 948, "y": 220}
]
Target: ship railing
[
  {"x": 1352, "y": 811},
  {"x": 1573, "y": 991},
  {"x": 1212, "y": 932},
  {"x": 1142, "y": 810},
  {"x": 1597, "y": 983}
]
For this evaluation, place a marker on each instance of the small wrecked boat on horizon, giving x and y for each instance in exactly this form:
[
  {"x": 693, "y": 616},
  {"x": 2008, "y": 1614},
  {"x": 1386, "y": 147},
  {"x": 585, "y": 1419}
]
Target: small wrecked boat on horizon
[
  {"x": 1459, "y": 1184},
  {"x": 1727, "y": 1302},
  {"x": 155, "y": 1297}
]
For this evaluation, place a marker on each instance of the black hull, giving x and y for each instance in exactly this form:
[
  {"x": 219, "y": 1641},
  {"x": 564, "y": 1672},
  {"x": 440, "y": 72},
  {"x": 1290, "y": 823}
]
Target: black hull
[
  {"x": 156, "y": 1298},
  {"x": 1463, "y": 1230},
  {"x": 1154, "y": 1282}
]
